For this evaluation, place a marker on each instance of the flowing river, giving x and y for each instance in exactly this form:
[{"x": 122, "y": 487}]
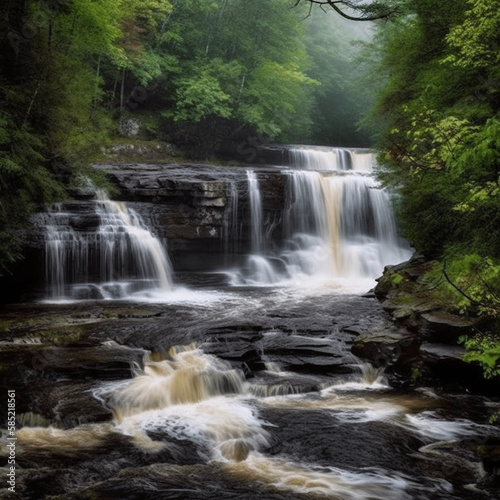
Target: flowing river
[{"x": 134, "y": 381}]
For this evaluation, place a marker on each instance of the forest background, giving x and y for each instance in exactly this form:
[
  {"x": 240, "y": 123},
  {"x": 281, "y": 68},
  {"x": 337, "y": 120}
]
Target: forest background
[{"x": 421, "y": 84}]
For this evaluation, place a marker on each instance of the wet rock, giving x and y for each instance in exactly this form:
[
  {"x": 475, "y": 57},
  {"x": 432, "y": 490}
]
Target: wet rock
[
  {"x": 357, "y": 330},
  {"x": 237, "y": 344},
  {"x": 489, "y": 451},
  {"x": 64, "y": 468},
  {"x": 57, "y": 382},
  {"x": 442, "y": 351},
  {"x": 321, "y": 438},
  {"x": 443, "y": 326},
  {"x": 194, "y": 482},
  {"x": 108, "y": 362},
  {"x": 305, "y": 354},
  {"x": 67, "y": 404},
  {"x": 242, "y": 355},
  {"x": 452, "y": 461},
  {"x": 385, "y": 347}
]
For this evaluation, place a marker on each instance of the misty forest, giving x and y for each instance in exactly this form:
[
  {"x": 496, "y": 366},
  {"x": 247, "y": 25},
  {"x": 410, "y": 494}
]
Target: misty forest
[{"x": 250, "y": 249}]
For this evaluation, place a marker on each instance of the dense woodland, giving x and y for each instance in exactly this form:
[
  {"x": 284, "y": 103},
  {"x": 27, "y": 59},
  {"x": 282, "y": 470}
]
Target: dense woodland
[
  {"x": 192, "y": 72},
  {"x": 423, "y": 82}
]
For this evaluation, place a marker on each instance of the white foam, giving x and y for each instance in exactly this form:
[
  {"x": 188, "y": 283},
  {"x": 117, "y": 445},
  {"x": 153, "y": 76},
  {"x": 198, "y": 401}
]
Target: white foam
[
  {"x": 427, "y": 424},
  {"x": 372, "y": 484},
  {"x": 217, "y": 423}
]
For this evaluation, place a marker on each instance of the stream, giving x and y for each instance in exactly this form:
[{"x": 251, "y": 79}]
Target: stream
[{"x": 235, "y": 383}]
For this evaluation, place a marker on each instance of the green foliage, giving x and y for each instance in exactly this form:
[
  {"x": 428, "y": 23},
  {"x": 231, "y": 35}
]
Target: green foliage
[
  {"x": 485, "y": 350},
  {"x": 476, "y": 39},
  {"x": 441, "y": 150},
  {"x": 271, "y": 97},
  {"x": 50, "y": 94},
  {"x": 199, "y": 97},
  {"x": 441, "y": 130},
  {"x": 256, "y": 78},
  {"x": 475, "y": 283},
  {"x": 24, "y": 182}
]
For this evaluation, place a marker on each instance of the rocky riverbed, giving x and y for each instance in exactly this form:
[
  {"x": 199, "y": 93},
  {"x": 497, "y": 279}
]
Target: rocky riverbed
[{"x": 267, "y": 400}]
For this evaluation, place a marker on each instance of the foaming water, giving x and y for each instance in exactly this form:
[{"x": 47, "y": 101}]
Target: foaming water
[
  {"x": 337, "y": 223},
  {"x": 186, "y": 376},
  {"x": 119, "y": 258},
  {"x": 325, "y": 158},
  {"x": 224, "y": 428},
  {"x": 188, "y": 396},
  {"x": 370, "y": 378},
  {"x": 373, "y": 484},
  {"x": 187, "y": 399},
  {"x": 53, "y": 440},
  {"x": 427, "y": 424}
]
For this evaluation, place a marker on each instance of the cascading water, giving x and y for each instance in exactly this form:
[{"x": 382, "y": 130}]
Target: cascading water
[
  {"x": 259, "y": 269},
  {"x": 189, "y": 400},
  {"x": 263, "y": 398},
  {"x": 323, "y": 158},
  {"x": 337, "y": 223},
  {"x": 255, "y": 211},
  {"x": 117, "y": 259}
]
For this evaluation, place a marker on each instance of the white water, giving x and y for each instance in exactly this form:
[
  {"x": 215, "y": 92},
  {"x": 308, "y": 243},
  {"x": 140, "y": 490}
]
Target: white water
[
  {"x": 255, "y": 212},
  {"x": 189, "y": 396},
  {"x": 129, "y": 258},
  {"x": 338, "y": 223},
  {"x": 324, "y": 158}
]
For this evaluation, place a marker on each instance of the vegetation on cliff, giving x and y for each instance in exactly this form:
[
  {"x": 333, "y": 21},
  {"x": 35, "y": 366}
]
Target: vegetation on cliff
[
  {"x": 441, "y": 147},
  {"x": 197, "y": 72},
  {"x": 191, "y": 72}
]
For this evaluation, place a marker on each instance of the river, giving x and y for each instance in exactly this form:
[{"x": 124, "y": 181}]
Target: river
[{"x": 136, "y": 380}]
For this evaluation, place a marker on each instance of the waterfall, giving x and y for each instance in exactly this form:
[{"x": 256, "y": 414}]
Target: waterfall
[
  {"x": 321, "y": 158},
  {"x": 66, "y": 254},
  {"x": 337, "y": 222},
  {"x": 259, "y": 268},
  {"x": 118, "y": 258},
  {"x": 255, "y": 212}
]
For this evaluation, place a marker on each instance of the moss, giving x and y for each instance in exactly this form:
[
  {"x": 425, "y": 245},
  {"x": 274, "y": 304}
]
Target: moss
[
  {"x": 10, "y": 324},
  {"x": 127, "y": 150},
  {"x": 128, "y": 313},
  {"x": 90, "y": 495},
  {"x": 416, "y": 373},
  {"x": 5, "y": 325},
  {"x": 61, "y": 335}
]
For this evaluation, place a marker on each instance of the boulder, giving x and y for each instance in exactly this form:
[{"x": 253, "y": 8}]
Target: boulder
[{"x": 384, "y": 348}]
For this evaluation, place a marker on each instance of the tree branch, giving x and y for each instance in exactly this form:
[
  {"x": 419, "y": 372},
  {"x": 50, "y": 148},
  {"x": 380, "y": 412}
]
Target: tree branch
[
  {"x": 468, "y": 297},
  {"x": 461, "y": 292},
  {"x": 384, "y": 13}
]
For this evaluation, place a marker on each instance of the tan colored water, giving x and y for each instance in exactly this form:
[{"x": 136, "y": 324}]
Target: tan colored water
[{"x": 189, "y": 395}]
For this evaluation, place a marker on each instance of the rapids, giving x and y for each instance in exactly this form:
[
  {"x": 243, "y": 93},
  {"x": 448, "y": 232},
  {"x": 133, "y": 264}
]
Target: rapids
[
  {"x": 253, "y": 394},
  {"x": 238, "y": 382}
]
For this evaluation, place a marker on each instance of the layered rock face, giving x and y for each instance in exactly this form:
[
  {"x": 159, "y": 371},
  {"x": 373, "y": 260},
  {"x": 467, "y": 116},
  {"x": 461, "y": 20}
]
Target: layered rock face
[
  {"x": 200, "y": 213},
  {"x": 203, "y": 211}
]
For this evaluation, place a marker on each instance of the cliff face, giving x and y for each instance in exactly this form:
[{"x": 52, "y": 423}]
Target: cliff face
[{"x": 200, "y": 213}]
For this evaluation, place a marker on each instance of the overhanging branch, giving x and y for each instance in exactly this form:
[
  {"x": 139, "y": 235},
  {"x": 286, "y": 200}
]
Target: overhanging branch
[{"x": 372, "y": 12}]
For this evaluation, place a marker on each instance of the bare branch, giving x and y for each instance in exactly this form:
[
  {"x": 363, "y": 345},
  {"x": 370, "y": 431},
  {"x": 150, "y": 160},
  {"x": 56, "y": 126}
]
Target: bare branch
[
  {"x": 309, "y": 13},
  {"x": 468, "y": 297},
  {"x": 336, "y": 6},
  {"x": 460, "y": 291}
]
